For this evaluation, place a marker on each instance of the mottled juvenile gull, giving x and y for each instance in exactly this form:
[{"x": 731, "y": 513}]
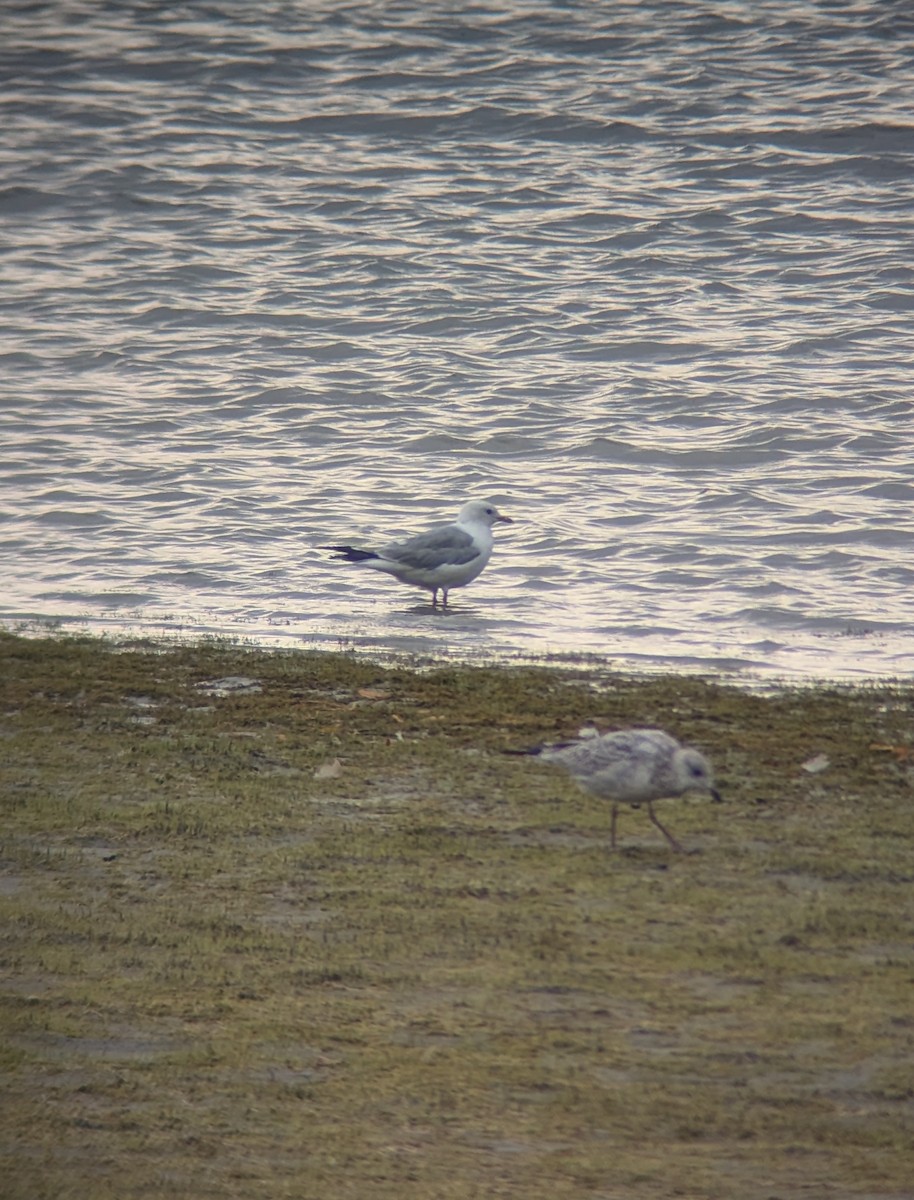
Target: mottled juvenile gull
[
  {"x": 445, "y": 557},
  {"x": 633, "y": 766}
]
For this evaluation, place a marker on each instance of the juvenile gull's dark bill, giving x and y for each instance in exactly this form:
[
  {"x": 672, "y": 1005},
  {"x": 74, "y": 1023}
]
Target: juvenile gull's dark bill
[
  {"x": 445, "y": 557},
  {"x": 633, "y": 766}
]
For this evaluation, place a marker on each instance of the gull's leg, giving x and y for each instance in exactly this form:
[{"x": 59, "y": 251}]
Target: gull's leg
[
  {"x": 434, "y": 597},
  {"x": 612, "y": 827},
  {"x": 666, "y": 833},
  {"x": 444, "y": 597}
]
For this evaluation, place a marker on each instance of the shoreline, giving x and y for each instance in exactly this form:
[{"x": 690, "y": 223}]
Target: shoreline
[{"x": 375, "y": 651}]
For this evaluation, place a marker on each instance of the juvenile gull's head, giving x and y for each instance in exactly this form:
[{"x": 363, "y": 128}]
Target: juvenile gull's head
[{"x": 692, "y": 770}]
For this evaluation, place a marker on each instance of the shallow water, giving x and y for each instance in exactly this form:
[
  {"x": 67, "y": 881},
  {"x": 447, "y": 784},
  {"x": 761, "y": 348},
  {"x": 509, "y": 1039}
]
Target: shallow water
[{"x": 641, "y": 273}]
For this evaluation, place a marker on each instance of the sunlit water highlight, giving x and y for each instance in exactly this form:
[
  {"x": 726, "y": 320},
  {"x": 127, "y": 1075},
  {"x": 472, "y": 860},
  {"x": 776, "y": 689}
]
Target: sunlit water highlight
[{"x": 640, "y": 273}]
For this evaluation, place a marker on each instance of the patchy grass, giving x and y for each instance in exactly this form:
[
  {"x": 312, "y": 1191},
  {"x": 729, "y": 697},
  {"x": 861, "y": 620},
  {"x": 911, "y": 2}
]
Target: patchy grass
[{"x": 234, "y": 966}]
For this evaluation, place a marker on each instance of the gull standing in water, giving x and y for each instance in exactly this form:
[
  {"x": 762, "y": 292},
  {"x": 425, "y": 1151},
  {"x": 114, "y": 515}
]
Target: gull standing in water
[
  {"x": 447, "y": 556},
  {"x": 633, "y": 766}
]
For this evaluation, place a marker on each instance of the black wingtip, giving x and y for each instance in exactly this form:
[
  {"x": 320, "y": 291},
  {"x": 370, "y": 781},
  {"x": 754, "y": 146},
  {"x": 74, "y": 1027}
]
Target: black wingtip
[
  {"x": 350, "y": 553},
  {"x": 543, "y": 748}
]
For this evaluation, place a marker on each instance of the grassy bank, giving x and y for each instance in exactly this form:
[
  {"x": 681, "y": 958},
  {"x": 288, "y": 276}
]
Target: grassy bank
[{"x": 315, "y": 936}]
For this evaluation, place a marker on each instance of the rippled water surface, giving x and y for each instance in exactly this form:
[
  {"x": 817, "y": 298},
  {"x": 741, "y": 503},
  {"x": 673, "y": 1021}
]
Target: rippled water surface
[{"x": 642, "y": 273}]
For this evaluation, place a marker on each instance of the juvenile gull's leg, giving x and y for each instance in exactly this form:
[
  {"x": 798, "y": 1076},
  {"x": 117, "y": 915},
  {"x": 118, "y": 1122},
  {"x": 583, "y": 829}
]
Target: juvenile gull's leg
[{"x": 666, "y": 833}]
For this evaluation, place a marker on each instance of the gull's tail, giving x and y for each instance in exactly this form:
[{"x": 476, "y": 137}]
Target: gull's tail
[
  {"x": 350, "y": 554},
  {"x": 544, "y": 749}
]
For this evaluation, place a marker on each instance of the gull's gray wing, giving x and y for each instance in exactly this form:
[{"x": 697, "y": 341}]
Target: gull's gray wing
[
  {"x": 427, "y": 551},
  {"x": 614, "y": 750}
]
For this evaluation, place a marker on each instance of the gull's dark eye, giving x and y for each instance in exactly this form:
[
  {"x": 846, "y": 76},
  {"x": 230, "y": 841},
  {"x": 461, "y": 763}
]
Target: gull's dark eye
[{"x": 489, "y": 511}]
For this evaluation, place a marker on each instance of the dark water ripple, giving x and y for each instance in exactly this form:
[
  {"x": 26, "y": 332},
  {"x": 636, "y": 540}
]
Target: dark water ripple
[{"x": 641, "y": 273}]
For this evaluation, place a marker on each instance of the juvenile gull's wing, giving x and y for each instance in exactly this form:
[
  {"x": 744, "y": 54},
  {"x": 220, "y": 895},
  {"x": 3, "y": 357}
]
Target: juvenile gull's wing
[
  {"x": 445, "y": 545},
  {"x": 624, "y": 750}
]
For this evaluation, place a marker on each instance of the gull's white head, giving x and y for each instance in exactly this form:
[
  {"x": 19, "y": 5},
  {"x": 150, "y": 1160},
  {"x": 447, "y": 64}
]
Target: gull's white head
[
  {"x": 692, "y": 770},
  {"x": 480, "y": 512}
]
